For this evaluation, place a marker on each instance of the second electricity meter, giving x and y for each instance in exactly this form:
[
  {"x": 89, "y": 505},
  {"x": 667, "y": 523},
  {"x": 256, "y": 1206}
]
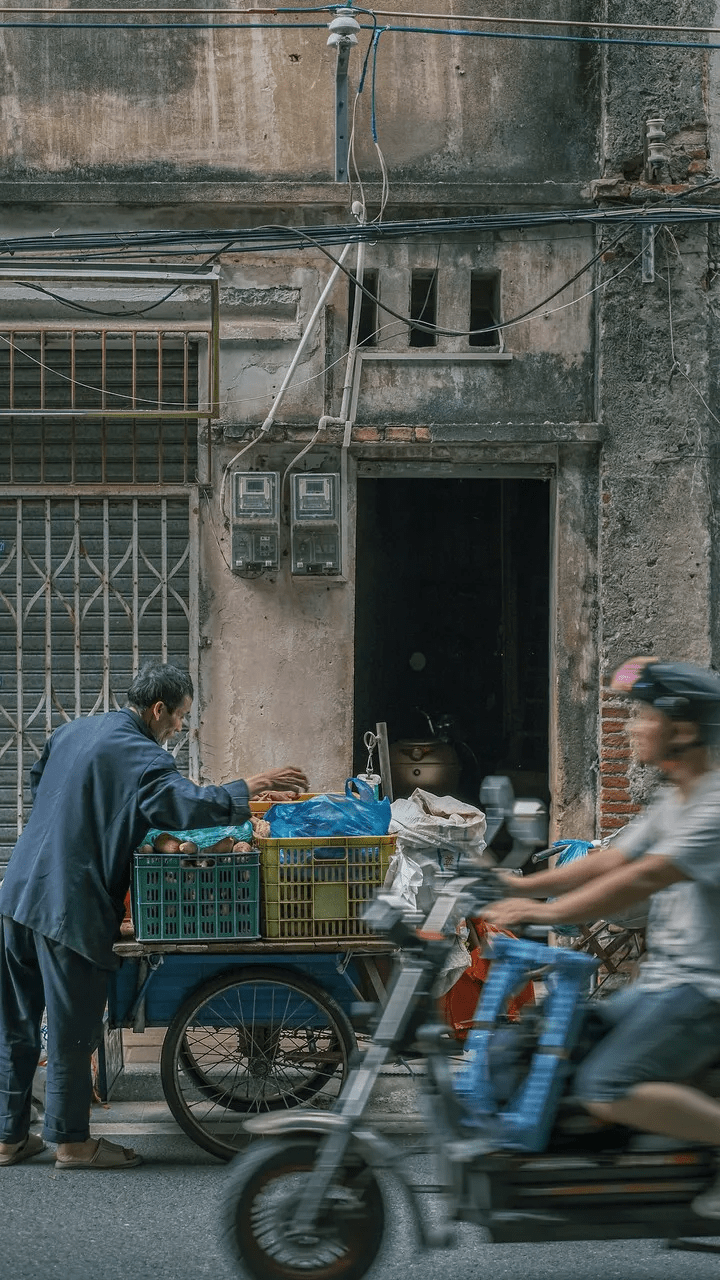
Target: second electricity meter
[{"x": 315, "y": 530}]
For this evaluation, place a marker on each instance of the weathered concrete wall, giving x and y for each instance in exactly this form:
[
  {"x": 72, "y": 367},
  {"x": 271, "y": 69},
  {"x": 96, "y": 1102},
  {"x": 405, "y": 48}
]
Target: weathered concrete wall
[
  {"x": 107, "y": 104},
  {"x": 276, "y": 660},
  {"x": 637, "y": 568},
  {"x": 574, "y": 673},
  {"x": 656, "y": 391}
]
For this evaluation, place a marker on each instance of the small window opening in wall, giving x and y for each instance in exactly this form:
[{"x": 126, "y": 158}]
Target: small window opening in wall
[
  {"x": 484, "y": 308},
  {"x": 367, "y": 333},
  {"x": 423, "y": 306}
]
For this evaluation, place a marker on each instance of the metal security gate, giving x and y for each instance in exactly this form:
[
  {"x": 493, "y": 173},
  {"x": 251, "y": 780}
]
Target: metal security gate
[{"x": 91, "y": 585}]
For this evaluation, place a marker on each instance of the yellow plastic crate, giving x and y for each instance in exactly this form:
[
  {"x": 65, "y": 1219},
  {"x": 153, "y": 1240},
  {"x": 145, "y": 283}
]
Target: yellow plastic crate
[{"x": 317, "y": 888}]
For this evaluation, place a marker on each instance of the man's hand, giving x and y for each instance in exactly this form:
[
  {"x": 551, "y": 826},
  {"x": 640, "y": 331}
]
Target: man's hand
[
  {"x": 514, "y": 911},
  {"x": 287, "y": 778}
]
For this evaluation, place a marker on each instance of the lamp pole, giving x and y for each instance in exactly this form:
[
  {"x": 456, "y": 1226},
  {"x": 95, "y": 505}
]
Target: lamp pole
[{"x": 343, "y": 37}]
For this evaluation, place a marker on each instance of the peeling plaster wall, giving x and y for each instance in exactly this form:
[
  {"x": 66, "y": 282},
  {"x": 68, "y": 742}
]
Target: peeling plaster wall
[
  {"x": 603, "y": 393},
  {"x": 260, "y": 103},
  {"x": 277, "y": 665},
  {"x": 658, "y": 388}
]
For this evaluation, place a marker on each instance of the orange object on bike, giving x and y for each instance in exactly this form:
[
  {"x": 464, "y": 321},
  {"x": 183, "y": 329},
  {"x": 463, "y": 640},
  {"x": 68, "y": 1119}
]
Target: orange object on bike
[{"x": 459, "y": 1004}]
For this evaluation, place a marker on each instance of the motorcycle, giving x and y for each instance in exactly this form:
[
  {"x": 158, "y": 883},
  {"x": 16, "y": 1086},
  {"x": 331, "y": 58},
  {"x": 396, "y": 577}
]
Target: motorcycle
[{"x": 514, "y": 1154}]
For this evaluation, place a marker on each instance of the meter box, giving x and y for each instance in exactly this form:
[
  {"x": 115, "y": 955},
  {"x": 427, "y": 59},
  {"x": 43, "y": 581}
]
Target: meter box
[
  {"x": 255, "y": 521},
  {"x": 315, "y": 530}
]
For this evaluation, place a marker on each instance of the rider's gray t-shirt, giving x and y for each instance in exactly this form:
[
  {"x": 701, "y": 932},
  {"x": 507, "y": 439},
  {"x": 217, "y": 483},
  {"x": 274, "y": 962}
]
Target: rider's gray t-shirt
[{"x": 683, "y": 931}]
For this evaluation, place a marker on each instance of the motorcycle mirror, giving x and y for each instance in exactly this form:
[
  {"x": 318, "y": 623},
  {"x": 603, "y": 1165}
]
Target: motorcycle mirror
[
  {"x": 528, "y": 822},
  {"x": 497, "y": 798}
]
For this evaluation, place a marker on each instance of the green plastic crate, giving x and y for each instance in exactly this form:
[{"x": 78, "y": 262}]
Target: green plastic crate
[
  {"x": 317, "y": 888},
  {"x": 177, "y": 898}
]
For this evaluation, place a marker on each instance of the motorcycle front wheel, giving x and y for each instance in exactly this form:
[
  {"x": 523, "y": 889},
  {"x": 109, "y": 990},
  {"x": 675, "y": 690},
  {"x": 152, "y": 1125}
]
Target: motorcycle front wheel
[{"x": 260, "y": 1202}]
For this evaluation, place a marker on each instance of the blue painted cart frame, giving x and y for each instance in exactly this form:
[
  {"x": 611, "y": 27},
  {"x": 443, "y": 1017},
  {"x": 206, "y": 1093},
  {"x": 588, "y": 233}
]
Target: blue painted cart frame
[{"x": 234, "y": 1010}]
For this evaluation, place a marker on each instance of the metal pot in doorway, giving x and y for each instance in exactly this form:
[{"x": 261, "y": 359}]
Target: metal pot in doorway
[{"x": 424, "y": 762}]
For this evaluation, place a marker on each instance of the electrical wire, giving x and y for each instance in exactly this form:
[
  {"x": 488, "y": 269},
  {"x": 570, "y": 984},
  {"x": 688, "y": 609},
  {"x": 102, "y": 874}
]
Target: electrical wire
[
  {"x": 538, "y": 22},
  {"x": 467, "y": 333},
  {"x": 461, "y": 17},
  {"x": 82, "y": 248},
  {"x": 407, "y": 321},
  {"x": 67, "y": 25}
]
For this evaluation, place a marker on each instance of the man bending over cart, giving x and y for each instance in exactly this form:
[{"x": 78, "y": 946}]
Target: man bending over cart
[
  {"x": 100, "y": 785},
  {"x": 666, "y": 1026}
]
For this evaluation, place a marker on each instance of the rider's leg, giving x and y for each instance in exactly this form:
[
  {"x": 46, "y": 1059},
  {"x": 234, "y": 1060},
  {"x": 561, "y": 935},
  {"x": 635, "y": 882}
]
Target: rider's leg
[
  {"x": 675, "y": 1110},
  {"x": 671, "y": 1034}
]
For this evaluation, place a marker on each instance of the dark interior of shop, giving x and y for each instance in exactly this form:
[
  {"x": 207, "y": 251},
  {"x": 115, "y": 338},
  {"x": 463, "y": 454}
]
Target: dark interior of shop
[{"x": 452, "y": 619}]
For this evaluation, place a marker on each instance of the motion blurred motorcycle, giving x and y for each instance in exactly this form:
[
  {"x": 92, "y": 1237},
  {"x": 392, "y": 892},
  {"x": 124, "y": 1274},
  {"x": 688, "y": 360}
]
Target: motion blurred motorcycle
[{"x": 514, "y": 1154}]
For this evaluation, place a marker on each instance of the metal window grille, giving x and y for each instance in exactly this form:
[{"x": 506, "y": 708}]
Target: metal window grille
[
  {"x": 90, "y": 586},
  {"x": 42, "y": 441}
]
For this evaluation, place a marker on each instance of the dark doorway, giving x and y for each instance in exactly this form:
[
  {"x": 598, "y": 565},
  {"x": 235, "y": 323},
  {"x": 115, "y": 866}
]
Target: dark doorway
[{"x": 452, "y": 616}]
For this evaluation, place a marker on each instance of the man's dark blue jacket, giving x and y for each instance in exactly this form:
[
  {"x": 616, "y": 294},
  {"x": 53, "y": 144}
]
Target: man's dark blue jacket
[{"x": 100, "y": 785}]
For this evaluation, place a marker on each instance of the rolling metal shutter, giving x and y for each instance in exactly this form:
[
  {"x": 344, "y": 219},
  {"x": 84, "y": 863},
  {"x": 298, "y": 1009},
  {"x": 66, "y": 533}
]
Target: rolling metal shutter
[{"x": 95, "y": 578}]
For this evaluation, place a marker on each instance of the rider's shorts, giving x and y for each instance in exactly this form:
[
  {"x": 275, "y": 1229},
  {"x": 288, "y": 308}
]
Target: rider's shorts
[{"x": 653, "y": 1036}]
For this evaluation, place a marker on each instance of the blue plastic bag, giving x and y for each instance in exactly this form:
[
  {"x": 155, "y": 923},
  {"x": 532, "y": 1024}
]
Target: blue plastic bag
[
  {"x": 332, "y": 815},
  {"x": 574, "y": 850}
]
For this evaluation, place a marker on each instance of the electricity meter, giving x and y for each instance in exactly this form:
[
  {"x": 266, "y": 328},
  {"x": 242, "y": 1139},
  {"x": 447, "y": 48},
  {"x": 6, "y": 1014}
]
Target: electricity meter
[
  {"x": 255, "y": 521},
  {"x": 315, "y": 529}
]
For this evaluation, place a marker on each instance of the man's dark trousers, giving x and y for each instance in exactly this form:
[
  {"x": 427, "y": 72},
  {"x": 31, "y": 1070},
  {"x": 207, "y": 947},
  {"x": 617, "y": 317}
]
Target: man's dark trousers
[{"x": 37, "y": 973}]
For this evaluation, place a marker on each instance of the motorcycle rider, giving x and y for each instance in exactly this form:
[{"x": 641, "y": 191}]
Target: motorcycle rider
[{"x": 665, "y": 1027}]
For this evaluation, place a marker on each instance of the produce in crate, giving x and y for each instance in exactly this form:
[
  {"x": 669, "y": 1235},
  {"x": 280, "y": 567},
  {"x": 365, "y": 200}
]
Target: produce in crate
[
  {"x": 201, "y": 840},
  {"x": 278, "y": 797}
]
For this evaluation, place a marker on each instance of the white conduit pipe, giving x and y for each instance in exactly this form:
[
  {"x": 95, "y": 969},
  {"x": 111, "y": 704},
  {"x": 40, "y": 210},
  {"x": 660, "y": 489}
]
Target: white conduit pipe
[
  {"x": 304, "y": 339},
  {"x": 326, "y": 419},
  {"x": 290, "y": 373}
]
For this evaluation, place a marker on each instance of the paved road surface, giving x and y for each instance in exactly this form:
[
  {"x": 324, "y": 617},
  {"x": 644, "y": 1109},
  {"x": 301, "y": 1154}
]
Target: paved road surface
[{"x": 159, "y": 1222}]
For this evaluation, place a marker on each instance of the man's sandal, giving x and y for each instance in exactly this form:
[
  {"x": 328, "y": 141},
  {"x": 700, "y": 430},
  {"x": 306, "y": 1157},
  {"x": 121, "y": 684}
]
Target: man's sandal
[
  {"x": 30, "y": 1146},
  {"x": 107, "y": 1155}
]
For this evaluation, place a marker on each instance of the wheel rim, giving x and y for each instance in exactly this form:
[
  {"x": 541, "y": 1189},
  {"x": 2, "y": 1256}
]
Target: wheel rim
[
  {"x": 261, "y": 1201},
  {"x": 321, "y": 1248},
  {"x": 254, "y": 1046}
]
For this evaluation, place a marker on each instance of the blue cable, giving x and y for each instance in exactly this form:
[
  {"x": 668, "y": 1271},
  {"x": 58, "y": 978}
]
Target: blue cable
[{"x": 373, "y": 115}]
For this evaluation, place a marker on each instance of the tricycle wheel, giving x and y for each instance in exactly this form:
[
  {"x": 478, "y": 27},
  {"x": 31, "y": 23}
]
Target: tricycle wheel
[
  {"x": 249, "y": 1041},
  {"x": 260, "y": 1201}
]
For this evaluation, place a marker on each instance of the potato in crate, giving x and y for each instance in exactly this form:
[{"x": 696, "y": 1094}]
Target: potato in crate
[{"x": 318, "y": 887}]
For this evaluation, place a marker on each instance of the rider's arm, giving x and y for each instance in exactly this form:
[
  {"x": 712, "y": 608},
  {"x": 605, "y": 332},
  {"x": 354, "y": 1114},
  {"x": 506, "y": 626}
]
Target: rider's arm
[
  {"x": 557, "y": 880},
  {"x": 626, "y": 884}
]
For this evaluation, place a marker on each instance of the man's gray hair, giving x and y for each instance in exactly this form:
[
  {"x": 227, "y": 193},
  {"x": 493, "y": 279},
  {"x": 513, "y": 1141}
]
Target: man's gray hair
[{"x": 160, "y": 682}]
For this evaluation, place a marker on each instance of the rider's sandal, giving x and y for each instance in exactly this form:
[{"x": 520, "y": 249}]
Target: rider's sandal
[
  {"x": 29, "y": 1146},
  {"x": 107, "y": 1155}
]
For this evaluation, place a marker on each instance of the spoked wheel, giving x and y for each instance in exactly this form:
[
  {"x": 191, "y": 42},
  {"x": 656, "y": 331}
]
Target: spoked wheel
[
  {"x": 250, "y": 1041},
  {"x": 260, "y": 1203}
]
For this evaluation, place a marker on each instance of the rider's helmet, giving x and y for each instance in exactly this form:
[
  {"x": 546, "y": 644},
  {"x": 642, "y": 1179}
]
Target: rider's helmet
[{"x": 680, "y": 690}]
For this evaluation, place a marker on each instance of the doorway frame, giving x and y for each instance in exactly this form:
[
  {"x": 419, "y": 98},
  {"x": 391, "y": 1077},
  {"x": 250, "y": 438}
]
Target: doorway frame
[{"x": 572, "y": 470}]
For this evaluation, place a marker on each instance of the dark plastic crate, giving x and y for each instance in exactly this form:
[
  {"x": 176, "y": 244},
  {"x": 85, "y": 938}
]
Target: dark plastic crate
[{"x": 177, "y": 898}]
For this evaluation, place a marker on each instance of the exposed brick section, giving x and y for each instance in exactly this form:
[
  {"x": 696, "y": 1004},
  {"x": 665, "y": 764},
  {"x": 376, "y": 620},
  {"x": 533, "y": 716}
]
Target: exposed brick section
[
  {"x": 422, "y": 435},
  {"x": 615, "y": 806},
  {"x": 366, "y": 433},
  {"x": 399, "y": 433}
]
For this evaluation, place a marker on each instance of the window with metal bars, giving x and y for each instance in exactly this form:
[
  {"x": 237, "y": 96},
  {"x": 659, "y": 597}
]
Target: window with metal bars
[{"x": 64, "y": 401}]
